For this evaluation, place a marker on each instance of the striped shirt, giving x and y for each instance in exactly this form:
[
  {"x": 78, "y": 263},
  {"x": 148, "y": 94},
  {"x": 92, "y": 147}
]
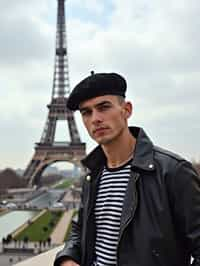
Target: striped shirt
[{"x": 108, "y": 210}]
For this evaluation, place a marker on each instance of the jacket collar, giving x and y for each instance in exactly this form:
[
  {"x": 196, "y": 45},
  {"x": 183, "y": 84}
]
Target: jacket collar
[{"x": 143, "y": 154}]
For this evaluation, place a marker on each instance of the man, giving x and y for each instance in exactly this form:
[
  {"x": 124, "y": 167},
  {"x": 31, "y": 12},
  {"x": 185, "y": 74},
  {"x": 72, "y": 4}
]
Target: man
[{"x": 140, "y": 204}]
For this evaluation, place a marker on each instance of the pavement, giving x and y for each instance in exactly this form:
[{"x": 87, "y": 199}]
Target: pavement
[
  {"x": 71, "y": 197},
  {"x": 58, "y": 235},
  {"x": 12, "y": 259}
]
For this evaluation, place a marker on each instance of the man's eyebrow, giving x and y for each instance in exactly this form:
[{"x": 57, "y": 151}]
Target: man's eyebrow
[
  {"x": 95, "y": 106},
  {"x": 102, "y": 103}
]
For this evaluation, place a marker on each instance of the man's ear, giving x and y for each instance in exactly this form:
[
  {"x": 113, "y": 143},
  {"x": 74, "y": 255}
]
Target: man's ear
[{"x": 128, "y": 108}]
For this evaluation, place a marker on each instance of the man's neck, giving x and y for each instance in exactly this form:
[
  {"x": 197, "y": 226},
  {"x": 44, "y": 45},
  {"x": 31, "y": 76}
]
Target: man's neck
[{"x": 120, "y": 152}]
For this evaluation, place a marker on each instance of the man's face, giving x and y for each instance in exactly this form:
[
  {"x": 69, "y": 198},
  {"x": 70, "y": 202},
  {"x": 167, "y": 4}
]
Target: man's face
[{"x": 105, "y": 117}]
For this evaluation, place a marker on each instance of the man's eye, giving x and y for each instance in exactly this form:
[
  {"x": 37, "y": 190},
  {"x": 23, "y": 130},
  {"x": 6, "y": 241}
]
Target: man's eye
[
  {"x": 85, "y": 112},
  {"x": 104, "y": 107}
]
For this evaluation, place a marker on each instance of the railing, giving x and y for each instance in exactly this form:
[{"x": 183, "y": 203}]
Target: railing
[{"x": 46, "y": 258}]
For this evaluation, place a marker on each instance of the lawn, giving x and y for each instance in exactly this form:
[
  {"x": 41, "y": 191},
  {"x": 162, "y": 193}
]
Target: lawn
[
  {"x": 42, "y": 228},
  {"x": 65, "y": 184}
]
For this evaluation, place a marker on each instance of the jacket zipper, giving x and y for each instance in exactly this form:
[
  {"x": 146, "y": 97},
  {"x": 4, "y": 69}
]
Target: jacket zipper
[{"x": 130, "y": 218}]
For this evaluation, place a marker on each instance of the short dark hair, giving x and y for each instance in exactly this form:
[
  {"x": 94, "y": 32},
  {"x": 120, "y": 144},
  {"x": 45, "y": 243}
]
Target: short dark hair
[{"x": 121, "y": 99}]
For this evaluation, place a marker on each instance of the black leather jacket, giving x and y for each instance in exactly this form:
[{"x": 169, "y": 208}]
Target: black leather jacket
[{"x": 160, "y": 224}]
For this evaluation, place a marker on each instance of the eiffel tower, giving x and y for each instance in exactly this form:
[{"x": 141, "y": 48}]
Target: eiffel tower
[{"x": 48, "y": 151}]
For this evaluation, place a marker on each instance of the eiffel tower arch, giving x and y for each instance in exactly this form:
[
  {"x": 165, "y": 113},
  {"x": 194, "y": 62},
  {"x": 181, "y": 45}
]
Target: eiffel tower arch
[{"x": 48, "y": 151}]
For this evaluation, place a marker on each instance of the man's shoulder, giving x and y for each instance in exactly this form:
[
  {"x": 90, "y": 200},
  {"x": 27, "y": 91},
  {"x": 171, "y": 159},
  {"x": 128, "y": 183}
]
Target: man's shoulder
[
  {"x": 167, "y": 154},
  {"x": 168, "y": 161}
]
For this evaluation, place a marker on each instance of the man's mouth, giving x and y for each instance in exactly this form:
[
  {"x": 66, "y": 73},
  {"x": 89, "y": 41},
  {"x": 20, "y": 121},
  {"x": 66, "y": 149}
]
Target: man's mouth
[{"x": 100, "y": 130}]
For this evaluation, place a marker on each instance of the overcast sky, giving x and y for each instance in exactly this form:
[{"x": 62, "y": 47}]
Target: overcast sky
[{"x": 154, "y": 44}]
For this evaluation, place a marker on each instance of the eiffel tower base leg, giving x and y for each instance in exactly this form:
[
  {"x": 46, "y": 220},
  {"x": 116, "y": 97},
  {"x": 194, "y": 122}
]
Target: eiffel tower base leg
[{"x": 46, "y": 155}]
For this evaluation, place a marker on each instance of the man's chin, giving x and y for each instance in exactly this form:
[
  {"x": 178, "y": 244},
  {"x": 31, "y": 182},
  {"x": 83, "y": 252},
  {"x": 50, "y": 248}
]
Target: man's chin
[{"x": 102, "y": 141}]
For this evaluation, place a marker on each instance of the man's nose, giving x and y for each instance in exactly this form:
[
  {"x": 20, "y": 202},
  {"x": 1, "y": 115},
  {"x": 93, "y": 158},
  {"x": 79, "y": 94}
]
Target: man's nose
[{"x": 96, "y": 117}]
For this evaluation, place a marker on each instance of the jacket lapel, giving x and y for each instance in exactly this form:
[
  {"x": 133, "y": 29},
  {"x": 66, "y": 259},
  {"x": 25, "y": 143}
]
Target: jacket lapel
[{"x": 130, "y": 202}]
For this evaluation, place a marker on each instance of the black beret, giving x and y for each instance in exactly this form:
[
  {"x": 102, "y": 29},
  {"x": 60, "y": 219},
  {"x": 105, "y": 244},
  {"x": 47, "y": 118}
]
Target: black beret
[{"x": 97, "y": 84}]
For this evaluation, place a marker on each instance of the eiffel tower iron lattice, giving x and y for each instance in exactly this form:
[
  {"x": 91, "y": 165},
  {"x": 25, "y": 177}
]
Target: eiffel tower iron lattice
[{"x": 48, "y": 151}]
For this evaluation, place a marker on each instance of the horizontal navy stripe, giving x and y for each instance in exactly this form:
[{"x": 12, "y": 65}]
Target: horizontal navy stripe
[{"x": 108, "y": 210}]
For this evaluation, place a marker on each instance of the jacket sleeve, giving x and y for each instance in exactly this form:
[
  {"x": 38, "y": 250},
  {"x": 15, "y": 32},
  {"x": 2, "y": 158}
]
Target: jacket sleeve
[
  {"x": 72, "y": 248},
  {"x": 186, "y": 195}
]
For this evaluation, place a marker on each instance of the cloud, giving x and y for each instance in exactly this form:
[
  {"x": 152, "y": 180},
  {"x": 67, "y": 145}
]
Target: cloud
[
  {"x": 155, "y": 46},
  {"x": 152, "y": 43},
  {"x": 92, "y": 6}
]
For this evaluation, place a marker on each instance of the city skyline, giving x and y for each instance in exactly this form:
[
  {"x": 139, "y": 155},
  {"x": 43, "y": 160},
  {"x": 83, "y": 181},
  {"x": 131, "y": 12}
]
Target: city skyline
[{"x": 154, "y": 45}]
